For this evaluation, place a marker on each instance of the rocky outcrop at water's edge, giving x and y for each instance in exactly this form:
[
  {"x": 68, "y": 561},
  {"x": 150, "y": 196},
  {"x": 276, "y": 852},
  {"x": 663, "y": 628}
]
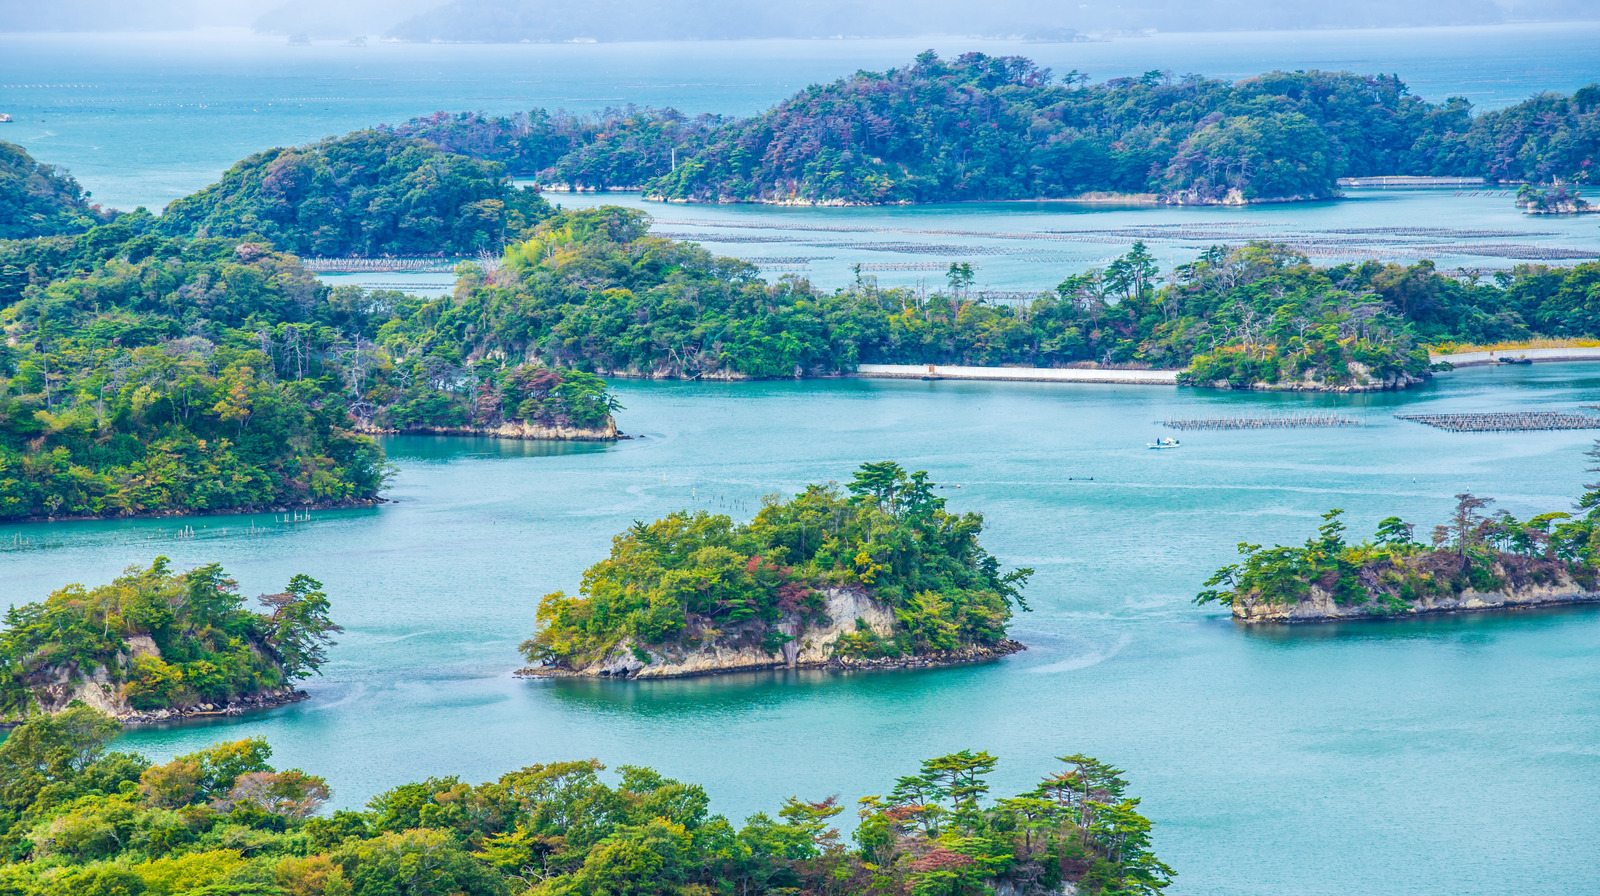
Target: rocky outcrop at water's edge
[
  {"x": 1319, "y": 605},
  {"x": 511, "y": 430},
  {"x": 742, "y": 648},
  {"x": 57, "y": 687},
  {"x": 1361, "y": 379}
]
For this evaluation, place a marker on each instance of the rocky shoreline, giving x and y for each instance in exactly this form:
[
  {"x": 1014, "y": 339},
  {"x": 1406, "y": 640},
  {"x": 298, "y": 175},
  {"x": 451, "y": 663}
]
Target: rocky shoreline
[
  {"x": 1319, "y": 605},
  {"x": 518, "y": 431},
  {"x": 53, "y": 689},
  {"x": 237, "y": 707},
  {"x": 932, "y": 660},
  {"x": 1393, "y": 384},
  {"x": 113, "y": 706},
  {"x": 1362, "y": 381}
]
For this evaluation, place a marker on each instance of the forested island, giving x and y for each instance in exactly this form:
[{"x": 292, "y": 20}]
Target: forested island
[
  {"x": 879, "y": 574},
  {"x": 982, "y": 127},
  {"x": 156, "y": 644},
  {"x": 1474, "y": 561},
  {"x": 1552, "y": 200},
  {"x": 78, "y": 820}
]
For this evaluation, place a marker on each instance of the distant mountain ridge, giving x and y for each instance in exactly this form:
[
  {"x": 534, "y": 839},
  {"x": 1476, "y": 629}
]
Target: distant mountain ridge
[
  {"x": 515, "y": 21},
  {"x": 512, "y": 21}
]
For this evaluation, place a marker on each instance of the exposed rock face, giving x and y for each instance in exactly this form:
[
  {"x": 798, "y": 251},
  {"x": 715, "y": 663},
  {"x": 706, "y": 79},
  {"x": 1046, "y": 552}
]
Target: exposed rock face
[
  {"x": 740, "y": 648},
  {"x": 141, "y": 646},
  {"x": 57, "y": 687},
  {"x": 1563, "y": 207},
  {"x": 1031, "y": 888},
  {"x": 1319, "y": 605},
  {"x": 1362, "y": 380},
  {"x": 1236, "y": 197},
  {"x": 513, "y": 430}
]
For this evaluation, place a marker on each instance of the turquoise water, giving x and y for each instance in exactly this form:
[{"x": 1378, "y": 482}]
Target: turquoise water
[
  {"x": 1031, "y": 246},
  {"x": 1453, "y": 755},
  {"x": 144, "y": 119}
]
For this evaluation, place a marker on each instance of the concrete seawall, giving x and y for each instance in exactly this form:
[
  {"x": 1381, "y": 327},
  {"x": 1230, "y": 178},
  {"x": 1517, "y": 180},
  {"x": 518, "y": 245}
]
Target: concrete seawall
[
  {"x": 1166, "y": 377},
  {"x": 1480, "y": 359},
  {"x": 1018, "y": 374}
]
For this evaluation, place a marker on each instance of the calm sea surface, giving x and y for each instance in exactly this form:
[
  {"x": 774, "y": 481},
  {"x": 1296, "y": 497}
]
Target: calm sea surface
[
  {"x": 1019, "y": 247},
  {"x": 1456, "y": 755}
]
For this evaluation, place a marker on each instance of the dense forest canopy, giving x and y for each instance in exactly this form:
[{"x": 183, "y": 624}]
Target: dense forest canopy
[
  {"x": 887, "y": 534},
  {"x": 78, "y": 820},
  {"x": 988, "y": 127},
  {"x": 142, "y": 374},
  {"x": 160, "y": 639},
  {"x": 616, "y": 148},
  {"x": 367, "y": 193},
  {"x": 148, "y": 374},
  {"x": 40, "y": 200}
]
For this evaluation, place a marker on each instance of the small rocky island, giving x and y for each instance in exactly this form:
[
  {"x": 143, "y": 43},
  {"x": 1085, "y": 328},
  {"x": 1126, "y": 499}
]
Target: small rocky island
[
  {"x": 157, "y": 645},
  {"x": 1475, "y": 562},
  {"x": 1553, "y": 199},
  {"x": 876, "y": 575}
]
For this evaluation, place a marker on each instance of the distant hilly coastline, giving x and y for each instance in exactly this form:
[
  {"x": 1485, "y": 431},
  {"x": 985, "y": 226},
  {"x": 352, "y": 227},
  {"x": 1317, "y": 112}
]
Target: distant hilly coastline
[
  {"x": 549, "y": 21},
  {"x": 513, "y": 21}
]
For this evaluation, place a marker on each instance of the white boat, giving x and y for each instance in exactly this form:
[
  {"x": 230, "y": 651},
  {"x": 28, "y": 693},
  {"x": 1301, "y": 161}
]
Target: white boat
[
  {"x": 4, "y": 118},
  {"x": 1162, "y": 443}
]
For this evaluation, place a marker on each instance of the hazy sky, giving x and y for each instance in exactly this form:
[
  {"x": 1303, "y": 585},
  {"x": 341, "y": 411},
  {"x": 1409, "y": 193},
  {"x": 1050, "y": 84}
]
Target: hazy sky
[{"x": 378, "y": 17}]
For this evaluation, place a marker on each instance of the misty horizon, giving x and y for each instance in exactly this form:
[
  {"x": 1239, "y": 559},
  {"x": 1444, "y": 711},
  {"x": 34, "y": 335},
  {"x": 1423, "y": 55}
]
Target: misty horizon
[{"x": 511, "y": 21}]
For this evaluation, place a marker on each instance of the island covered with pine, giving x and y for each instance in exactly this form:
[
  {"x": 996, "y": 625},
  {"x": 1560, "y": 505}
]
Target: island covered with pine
[
  {"x": 157, "y": 644},
  {"x": 1476, "y": 560},
  {"x": 877, "y": 574}
]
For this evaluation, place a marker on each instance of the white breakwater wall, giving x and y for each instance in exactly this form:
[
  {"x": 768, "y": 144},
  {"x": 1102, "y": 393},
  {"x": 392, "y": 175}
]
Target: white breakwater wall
[
  {"x": 1019, "y": 374},
  {"x": 1478, "y": 359}
]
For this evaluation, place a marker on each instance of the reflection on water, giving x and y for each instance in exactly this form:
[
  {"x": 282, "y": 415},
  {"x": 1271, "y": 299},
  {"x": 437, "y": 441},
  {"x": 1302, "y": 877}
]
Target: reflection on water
[
  {"x": 745, "y": 690},
  {"x": 436, "y": 449},
  {"x": 1438, "y": 627},
  {"x": 160, "y": 534}
]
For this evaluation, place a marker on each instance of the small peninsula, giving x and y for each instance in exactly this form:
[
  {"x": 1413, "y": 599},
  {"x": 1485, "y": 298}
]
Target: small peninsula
[
  {"x": 157, "y": 645},
  {"x": 876, "y": 575},
  {"x": 41, "y": 200},
  {"x": 1476, "y": 562}
]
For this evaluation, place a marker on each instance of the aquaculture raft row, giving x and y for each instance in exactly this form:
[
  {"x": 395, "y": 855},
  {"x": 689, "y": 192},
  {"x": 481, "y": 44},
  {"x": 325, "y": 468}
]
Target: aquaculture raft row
[
  {"x": 1513, "y": 421},
  {"x": 1277, "y": 421}
]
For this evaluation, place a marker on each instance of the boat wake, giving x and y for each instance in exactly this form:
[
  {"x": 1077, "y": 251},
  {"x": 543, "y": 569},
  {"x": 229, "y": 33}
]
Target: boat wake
[{"x": 1084, "y": 661}]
